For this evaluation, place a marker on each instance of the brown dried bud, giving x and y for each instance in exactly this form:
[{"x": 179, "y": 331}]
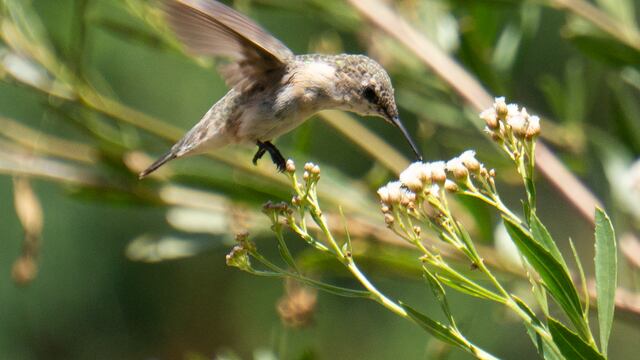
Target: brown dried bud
[
  {"x": 297, "y": 306},
  {"x": 24, "y": 270},
  {"x": 389, "y": 220}
]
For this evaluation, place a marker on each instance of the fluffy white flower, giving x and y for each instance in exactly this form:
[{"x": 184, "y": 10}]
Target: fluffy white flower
[
  {"x": 412, "y": 177},
  {"x": 534, "y": 127},
  {"x": 457, "y": 168},
  {"x": 469, "y": 160},
  {"x": 518, "y": 124},
  {"x": 490, "y": 117},
  {"x": 438, "y": 172}
]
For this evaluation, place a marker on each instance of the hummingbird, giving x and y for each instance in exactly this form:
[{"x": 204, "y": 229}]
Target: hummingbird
[{"x": 272, "y": 90}]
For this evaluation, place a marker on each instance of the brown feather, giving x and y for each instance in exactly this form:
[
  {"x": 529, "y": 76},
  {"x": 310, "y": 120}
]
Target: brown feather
[{"x": 208, "y": 27}]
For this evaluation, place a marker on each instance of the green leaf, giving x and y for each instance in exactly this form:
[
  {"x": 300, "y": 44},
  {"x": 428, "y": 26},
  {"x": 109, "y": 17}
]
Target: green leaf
[
  {"x": 606, "y": 275},
  {"x": 438, "y": 292},
  {"x": 434, "y": 327},
  {"x": 583, "y": 279},
  {"x": 570, "y": 344},
  {"x": 542, "y": 236},
  {"x": 541, "y": 344},
  {"x": 554, "y": 276}
]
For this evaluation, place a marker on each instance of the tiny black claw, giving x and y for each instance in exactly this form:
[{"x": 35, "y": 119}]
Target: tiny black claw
[
  {"x": 261, "y": 150},
  {"x": 276, "y": 156}
]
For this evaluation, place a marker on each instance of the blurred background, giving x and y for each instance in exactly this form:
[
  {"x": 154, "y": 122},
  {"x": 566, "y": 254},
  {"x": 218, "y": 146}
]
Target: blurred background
[{"x": 97, "y": 264}]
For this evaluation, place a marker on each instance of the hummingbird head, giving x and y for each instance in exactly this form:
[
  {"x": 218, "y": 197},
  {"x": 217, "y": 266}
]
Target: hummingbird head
[{"x": 367, "y": 90}]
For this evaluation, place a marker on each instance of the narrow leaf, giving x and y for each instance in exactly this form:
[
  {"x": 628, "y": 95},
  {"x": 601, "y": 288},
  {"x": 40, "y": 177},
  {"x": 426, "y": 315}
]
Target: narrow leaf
[
  {"x": 438, "y": 292},
  {"x": 553, "y": 274},
  {"x": 434, "y": 327},
  {"x": 606, "y": 275},
  {"x": 583, "y": 279},
  {"x": 542, "y": 345},
  {"x": 542, "y": 236},
  {"x": 570, "y": 344}
]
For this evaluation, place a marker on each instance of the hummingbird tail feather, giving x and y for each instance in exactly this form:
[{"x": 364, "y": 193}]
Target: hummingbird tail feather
[{"x": 161, "y": 161}]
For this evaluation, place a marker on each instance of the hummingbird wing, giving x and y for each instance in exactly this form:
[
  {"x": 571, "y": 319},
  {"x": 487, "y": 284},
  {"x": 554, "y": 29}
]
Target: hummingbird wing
[{"x": 208, "y": 27}]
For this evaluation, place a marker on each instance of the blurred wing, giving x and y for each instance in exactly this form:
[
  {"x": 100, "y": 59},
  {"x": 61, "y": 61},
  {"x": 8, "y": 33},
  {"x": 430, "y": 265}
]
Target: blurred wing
[{"x": 208, "y": 27}]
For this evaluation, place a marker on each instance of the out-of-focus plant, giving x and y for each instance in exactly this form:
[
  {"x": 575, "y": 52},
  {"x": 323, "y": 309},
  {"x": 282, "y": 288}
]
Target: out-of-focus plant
[{"x": 420, "y": 202}]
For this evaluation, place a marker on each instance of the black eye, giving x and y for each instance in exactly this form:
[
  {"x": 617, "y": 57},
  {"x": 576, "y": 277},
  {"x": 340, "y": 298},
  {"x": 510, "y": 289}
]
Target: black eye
[{"x": 369, "y": 93}]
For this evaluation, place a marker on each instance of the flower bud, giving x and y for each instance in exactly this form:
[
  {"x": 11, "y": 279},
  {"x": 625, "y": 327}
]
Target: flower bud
[
  {"x": 450, "y": 186},
  {"x": 315, "y": 170},
  {"x": 309, "y": 166},
  {"x": 291, "y": 166},
  {"x": 389, "y": 220},
  {"x": 305, "y": 175},
  {"x": 239, "y": 257},
  {"x": 500, "y": 107}
]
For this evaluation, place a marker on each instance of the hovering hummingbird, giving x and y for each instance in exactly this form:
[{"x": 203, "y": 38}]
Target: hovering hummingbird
[{"x": 272, "y": 90}]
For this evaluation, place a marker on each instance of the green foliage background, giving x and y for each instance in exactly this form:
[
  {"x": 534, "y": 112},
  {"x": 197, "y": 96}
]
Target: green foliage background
[{"x": 90, "y": 301}]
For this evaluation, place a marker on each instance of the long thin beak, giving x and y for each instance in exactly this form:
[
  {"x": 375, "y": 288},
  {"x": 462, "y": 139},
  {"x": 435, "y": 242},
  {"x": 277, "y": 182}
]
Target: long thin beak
[{"x": 396, "y": 121}]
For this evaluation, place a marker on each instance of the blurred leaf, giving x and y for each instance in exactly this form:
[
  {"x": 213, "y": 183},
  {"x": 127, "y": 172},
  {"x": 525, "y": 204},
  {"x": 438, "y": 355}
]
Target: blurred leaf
[
  {"x": 606, "y": 50},
  {"x": 436, "y": 112},
  {"x": 553, "y": 274},
  {"x": 570, "y": 344},
  {"x": 626, "y": 105},
  {"x": 506, "y": 49},
  {"x": 434, "y": 327},
  {"x": 606, "y": 275},
  {"x": 621, "y": 10},
  {"x": 28, "y": 207},
  {"x": 156, "y": 248},
  {"x": 132, "y": 34}
]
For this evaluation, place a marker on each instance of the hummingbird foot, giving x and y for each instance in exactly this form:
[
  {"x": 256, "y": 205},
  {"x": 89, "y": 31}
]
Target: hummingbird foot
[{"x": 276, "y": 156}]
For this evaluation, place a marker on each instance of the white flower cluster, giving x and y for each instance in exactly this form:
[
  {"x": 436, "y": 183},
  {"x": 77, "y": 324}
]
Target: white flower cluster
[
  {"x": 502, "y": 119},
  {"x": 422, "y": 180}
]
